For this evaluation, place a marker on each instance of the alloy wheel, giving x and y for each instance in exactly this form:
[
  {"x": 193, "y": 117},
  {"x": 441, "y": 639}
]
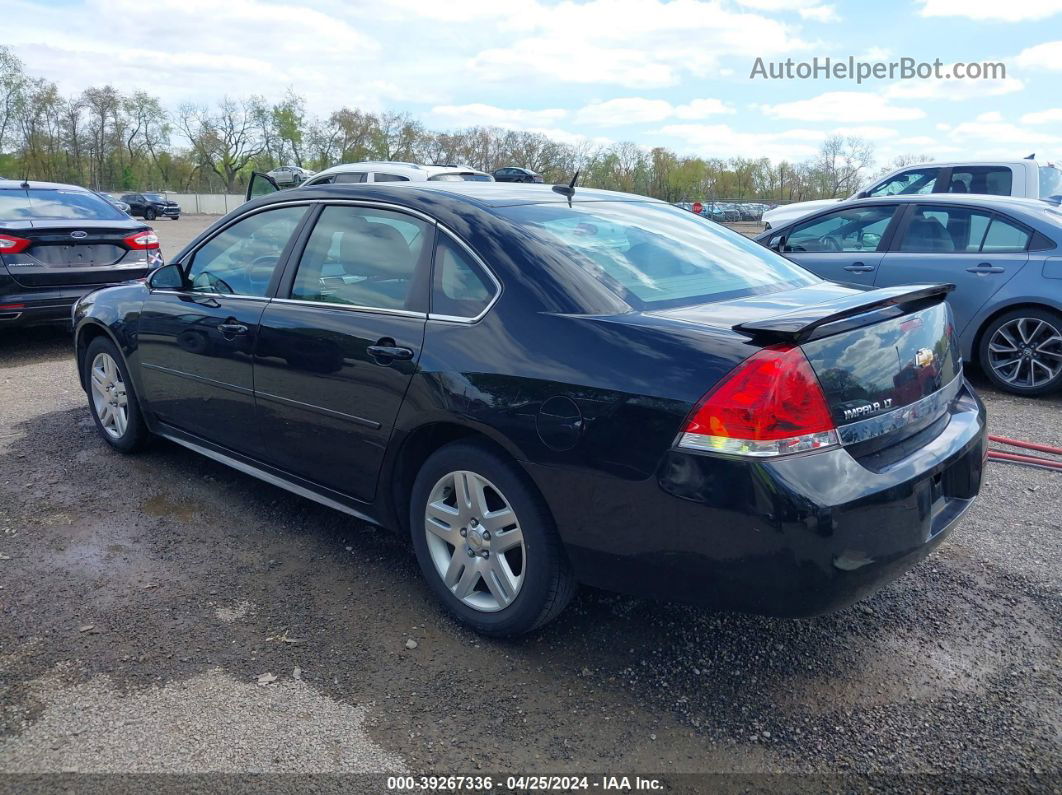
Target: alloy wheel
[
  {"x": 1026, "y": 352},
  {"x": 109, "y": 398},
  {"x": 475, "y": 541}
]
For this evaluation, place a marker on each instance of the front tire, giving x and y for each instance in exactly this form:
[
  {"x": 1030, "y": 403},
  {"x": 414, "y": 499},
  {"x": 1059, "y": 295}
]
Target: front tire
[
  {"x": 149, "y": 214},
  {"x": 112, "y": 399},
  {"x": 486, "y": 543},
  {"x": 1021, "y": 351}
]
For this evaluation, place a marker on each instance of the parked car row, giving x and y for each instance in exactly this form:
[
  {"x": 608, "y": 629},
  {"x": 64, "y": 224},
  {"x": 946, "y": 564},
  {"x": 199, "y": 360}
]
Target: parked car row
[{"x": 727, "y": 212}]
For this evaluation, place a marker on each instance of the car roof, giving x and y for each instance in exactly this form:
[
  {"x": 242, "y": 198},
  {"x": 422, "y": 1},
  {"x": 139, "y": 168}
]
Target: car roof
[
  {"x": 16, "y": 184},
  {"x": 395, "y": 167},
  {"x": 483, "y": 194}
]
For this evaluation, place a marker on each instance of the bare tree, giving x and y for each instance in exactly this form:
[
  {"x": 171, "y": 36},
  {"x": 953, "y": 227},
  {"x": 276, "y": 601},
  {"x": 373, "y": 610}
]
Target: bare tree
[{"x": 226, "y": 139}]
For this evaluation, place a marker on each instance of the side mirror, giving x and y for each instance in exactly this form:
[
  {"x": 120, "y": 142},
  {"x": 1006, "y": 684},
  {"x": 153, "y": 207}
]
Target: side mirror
[
  {"x": 863, "y": 194},
  {"x": 168, "y": 277},
  {"x": 779, "y": 244}
]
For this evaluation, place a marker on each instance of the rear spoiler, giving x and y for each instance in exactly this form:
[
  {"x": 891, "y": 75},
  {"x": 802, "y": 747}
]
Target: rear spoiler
[{"x": 802, "y": 325}]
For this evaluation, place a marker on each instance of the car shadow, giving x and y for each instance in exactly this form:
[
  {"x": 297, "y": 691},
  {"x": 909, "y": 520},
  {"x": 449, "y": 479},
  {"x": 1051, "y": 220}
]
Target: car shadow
[
  {"x": 178, "y": 565},
  {"x": 20, "y": 346}
]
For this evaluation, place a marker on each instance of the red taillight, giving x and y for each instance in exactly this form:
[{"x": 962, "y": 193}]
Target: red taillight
[
  {"x": 141, "y": 241},
  {"x": 9, "y": 244},
  {"x": 770, "y": 405}
]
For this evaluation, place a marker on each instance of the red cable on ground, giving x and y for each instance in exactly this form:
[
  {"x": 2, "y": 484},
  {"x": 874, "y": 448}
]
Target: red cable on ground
[
  {"x": 1014, "y": 458},
  {"x": 1043, "y": 448}
]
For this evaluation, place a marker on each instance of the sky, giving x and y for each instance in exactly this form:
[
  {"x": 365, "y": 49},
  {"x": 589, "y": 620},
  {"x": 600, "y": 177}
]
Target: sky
[{"x": 672, "y": 73}]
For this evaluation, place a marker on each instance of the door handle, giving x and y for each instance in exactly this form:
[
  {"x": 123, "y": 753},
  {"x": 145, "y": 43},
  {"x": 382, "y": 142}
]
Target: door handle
[
  {"x": 385, "y": 354},
  {"x": 985, "y": 267},
  {"x": 859, "y": 267},
  {"x": 233, "y": 328}
]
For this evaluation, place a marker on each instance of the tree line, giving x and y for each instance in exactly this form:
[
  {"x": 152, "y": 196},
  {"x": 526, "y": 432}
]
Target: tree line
[{"x": 111, "y": 140}]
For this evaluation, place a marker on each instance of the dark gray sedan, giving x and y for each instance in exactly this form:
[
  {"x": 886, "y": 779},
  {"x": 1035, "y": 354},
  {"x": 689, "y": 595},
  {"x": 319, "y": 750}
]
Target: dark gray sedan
[{"x": 1004, "y": 256}]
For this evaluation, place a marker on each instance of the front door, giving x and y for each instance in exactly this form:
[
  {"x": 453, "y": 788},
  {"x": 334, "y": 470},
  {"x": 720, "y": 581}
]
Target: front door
[
  {"x": 842, "y": 245},
  {"x": 976, "y": 250},
  {"x": 339, "y": 345},
  {"x": 196, "y": 343}
]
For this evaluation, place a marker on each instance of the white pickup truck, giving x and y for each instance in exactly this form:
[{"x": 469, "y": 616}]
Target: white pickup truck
[{"x": 1000, "y": 178}]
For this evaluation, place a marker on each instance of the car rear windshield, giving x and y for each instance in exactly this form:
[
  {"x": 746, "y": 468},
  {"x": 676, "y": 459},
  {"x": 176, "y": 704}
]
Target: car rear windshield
[
  {"x": 56, "y": 204},
  {"x": 656, "y": 256},
  {"x": 464, "y": 176}
]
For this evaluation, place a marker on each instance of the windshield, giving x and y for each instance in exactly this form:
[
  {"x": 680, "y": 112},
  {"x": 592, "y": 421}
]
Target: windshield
[
  {"x": 1050, "y": 183},
  {"x": 57, "y": 204},
  {"x": 154, "y": 197},
  {"x": 465, "y": 176},
  {"x": 657, "y": 256}
]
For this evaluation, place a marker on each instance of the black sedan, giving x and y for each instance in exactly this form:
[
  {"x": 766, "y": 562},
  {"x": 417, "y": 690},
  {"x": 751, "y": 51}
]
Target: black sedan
[
  {"x": 539, "y": 389},
  {"x": 516, "y": 174},
  {"x": 150, "y": 206},
  {"x": 58, "y": 242}
]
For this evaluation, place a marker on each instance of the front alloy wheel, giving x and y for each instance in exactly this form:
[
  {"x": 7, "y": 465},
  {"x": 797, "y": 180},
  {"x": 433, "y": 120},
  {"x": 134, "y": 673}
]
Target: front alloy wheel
[
  {"x": 109, "y": 397},
  {"x": 1024, "y": 353},
  {"x": 475, "y": 541}
]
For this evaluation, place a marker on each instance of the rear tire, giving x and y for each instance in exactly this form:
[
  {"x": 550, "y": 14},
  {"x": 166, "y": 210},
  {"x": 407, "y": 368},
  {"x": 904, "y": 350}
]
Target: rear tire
[
  {"x": 501, "y": 555},
  {"x": 1021, "y": 351},
  {"x": 149, "y": 214},
  {"x": 112, "y": 399}
]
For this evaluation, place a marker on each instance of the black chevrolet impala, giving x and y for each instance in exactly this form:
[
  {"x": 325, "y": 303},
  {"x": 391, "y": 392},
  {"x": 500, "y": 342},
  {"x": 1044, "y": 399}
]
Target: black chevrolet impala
[{"x": 540, "y": 389}]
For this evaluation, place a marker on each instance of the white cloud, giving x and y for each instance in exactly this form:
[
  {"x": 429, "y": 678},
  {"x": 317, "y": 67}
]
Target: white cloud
[
  {"x": 991, "y": 115},
  {"x": 1001, "y": 135},
  {"x": 953, "y": 89},
  {"x": 917, "y": 140},
  {"x": 638, "y": 110},
  {"x": 634, "y": 43},
  {"x": 722, "y": 140},
  {"x": 1043, "y": 56},
  {"x": 871, "y": 133},
  {"x": 477, "y": 114},
  {"x": 820, "y": 14},
  {"x": 1000, "y": 10},
  {"x": 1050, "y": 116},
  {"x": 834, "y": 105}
]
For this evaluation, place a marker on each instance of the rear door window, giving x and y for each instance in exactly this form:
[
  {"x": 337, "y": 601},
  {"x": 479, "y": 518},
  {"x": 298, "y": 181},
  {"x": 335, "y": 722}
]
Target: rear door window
[
  {"x": 992, "y": 180},
  {"x": 943, "y": 229},
  {"x": 349, "y": 177},
  {"x": 851, "y": 229},
  {"x": 1004, "y": 237},
  {"x": 362, "y": 257},
  {"x": 378, "y": 177}
]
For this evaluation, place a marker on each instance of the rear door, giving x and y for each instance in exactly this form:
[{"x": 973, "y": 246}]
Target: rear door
[
  {"x": 339, "y": 344},
  {"x": 975, "y": 249},
  {"x": 843, "y": 245},
  {"x": 195, "y": 344}
]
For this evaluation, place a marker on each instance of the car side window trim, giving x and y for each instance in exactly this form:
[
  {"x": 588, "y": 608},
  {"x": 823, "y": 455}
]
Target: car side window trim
[
  {"x": 482, "y": 265},
  {"x": 185, "y": 262},
  {"x": 887, "y": 236}
]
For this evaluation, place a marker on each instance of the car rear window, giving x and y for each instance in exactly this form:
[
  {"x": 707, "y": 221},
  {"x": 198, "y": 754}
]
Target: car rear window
[
  {"x": 56, "y": 204},
  {"x": 658, "y": 256},
  {"x": 463, "y": 176}
]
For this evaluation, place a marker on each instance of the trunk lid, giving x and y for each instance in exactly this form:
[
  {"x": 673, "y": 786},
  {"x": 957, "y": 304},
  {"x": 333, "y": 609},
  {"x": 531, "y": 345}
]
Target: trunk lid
[
  {"x": 70, "y": 253},
  {"x": 887, "y": 359}
]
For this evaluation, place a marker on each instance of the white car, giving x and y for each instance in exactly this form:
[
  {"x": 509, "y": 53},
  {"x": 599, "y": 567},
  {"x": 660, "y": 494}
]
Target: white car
[
  {"x": 1001, "y": 178},
  {"x": 290, "y": 175},
  {"x": 372, "y": 171}
]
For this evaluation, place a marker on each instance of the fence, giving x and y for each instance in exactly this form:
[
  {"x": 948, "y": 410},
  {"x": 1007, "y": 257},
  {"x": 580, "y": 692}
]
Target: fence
[{"x": 206, "y": 203}]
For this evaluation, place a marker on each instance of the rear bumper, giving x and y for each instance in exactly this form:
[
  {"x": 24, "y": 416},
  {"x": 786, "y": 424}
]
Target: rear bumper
[
  {"x": 797, "y": 537},
  {"x": 23, "y": 306}
]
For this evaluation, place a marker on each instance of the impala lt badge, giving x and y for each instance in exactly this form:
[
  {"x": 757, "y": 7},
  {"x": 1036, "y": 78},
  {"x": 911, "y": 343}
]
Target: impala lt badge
[{"x": 867, "y": 409}]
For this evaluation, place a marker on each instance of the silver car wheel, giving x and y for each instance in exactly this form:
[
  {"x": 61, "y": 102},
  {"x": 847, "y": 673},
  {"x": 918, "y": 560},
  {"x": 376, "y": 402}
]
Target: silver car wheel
[
  {"x": 108, "y": 396},
  {"x": 475, "y": 541},
  {"x": 1026, "y": 352}
]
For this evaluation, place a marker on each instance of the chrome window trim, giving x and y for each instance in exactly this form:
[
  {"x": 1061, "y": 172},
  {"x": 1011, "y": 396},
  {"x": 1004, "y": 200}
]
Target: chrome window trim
[
  {"x": 166, "y": 291},
  {"x": 872, "y": 427},
  {"x": 353, "y": 307},
  {"x": 490, "y": 275}
]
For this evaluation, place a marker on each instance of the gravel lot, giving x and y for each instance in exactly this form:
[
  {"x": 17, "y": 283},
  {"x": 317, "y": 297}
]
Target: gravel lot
[{"x": 142, "y": 599}]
